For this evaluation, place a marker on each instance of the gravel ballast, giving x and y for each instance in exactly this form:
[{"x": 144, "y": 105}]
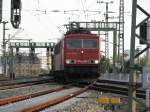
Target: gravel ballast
[{"x": 85, "y": 102}]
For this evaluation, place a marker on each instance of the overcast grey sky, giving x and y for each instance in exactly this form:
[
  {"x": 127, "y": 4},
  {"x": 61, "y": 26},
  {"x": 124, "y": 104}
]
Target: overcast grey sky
[{"x": 41, "y": 26}]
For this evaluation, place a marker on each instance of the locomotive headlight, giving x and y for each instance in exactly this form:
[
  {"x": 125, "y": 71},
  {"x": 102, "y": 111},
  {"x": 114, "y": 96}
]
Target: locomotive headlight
[
  {"x": 96, "y": 61},
  {"x": 70, "y": 61},
  {"x": 67, "y": 61}
]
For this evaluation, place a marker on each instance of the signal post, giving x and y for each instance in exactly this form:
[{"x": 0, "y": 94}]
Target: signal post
[{"x": 146, "y": 71}]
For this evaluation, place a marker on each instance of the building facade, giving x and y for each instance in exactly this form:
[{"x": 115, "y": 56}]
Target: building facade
[{"x": 26, "y": 65}]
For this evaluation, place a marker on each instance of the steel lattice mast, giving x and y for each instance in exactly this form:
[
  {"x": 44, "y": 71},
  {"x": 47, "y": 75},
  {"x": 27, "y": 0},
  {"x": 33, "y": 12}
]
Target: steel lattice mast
[{"x": 121, "y": 35}]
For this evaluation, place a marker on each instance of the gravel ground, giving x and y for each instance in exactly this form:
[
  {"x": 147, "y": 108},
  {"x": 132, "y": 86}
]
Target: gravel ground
[
  {"x": 26, "y": 90},
  {"x": 86, "y": 102}
]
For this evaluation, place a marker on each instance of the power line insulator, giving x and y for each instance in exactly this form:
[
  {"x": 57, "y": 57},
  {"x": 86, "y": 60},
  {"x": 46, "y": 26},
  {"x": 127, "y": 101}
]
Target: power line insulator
[{"x": 15, "y": 13}]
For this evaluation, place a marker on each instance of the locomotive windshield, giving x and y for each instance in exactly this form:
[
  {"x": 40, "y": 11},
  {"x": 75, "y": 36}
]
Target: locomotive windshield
[
  {"x": 89, "y": 43},
  {"x": 82, "y": 43},
  {"x": 74, "y": 43}
]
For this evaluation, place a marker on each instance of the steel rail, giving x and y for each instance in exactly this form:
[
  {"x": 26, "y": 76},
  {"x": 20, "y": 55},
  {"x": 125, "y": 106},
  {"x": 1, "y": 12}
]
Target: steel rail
[
  {"x": 52, "y": 102},
  {"x": 24, "y": 97},
  {"x": 24, "y": 81},
  {"x": 19, "y": 85},
  {"x": 116, "y": 88}
]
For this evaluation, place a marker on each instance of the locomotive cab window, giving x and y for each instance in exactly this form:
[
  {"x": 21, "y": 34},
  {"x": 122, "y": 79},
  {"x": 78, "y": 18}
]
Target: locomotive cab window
[
  {"x": 90, "y": 43},
  {"x": 74, "y": 43},
  {"x": 82, "y": 43}
]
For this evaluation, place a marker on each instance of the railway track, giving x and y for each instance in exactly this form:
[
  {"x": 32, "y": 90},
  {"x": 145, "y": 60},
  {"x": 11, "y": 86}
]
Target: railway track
[
  {"x": 40, "y": 102},
  {"x": 24, "y": 97},
  {"x": 24, "y": 80},
  {"x": 55, "y": 101},
  {"x": 23, "y": 84},
  {"x": 111, "y": 86},
  {"x": 116, "y": 87}
]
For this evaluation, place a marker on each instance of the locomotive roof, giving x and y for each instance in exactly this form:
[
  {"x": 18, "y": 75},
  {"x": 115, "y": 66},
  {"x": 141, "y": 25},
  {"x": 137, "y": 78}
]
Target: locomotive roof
[
  {"x": 75, "y": 32},
  {"x": 80, "y": 35},
  {"x": 78, "y": 31}
]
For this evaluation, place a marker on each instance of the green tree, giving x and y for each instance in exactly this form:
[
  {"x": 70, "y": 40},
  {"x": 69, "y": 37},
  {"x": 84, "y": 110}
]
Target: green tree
[
  {"x": 138, "y": 66},
  {"x": 104, "y": 65}
]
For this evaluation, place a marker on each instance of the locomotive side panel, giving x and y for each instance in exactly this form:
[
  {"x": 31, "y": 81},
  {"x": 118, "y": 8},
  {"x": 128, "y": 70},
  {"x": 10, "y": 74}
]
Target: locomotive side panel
[{"x": 59, "y": 57}]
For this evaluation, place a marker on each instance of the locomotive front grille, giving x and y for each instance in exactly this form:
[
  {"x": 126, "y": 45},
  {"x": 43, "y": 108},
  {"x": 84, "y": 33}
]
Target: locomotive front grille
[{"x": 80, "y": 69}]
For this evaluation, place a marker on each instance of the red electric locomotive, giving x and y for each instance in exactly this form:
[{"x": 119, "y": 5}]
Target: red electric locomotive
[{"x": 77, "y": 54}]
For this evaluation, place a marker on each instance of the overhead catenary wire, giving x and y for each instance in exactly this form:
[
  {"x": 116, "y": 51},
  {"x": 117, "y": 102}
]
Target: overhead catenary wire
[
  {"x": 83, "y": 7},
  {"x": 32, "y": 13},
  {"x": 64, "y": 12}
]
